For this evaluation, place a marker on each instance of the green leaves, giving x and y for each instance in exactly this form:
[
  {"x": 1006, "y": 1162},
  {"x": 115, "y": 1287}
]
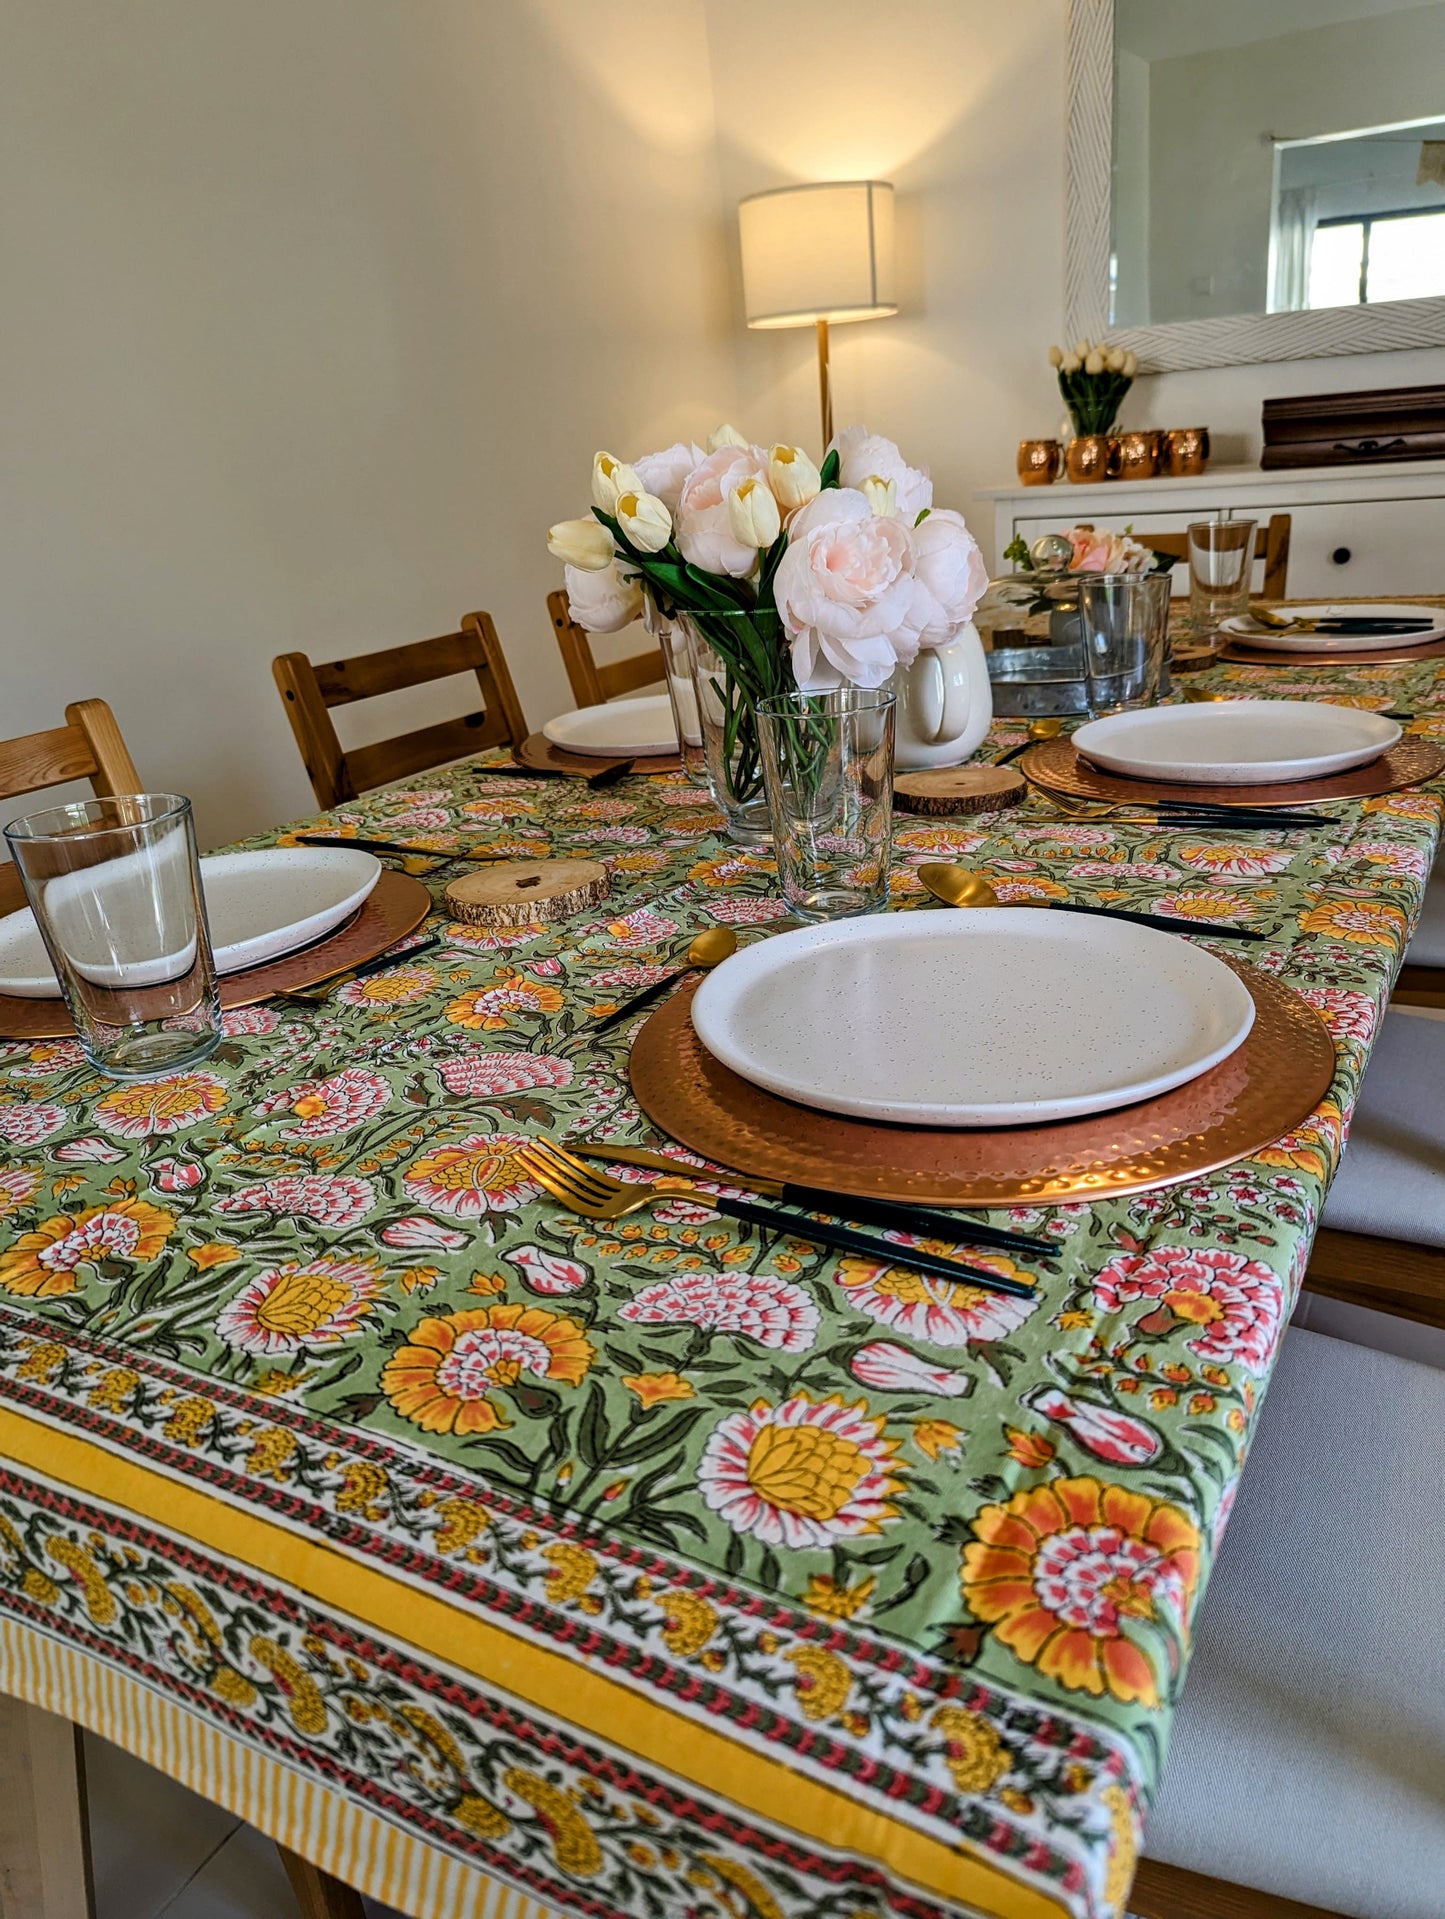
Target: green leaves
[{"x": 828, "y": 471}]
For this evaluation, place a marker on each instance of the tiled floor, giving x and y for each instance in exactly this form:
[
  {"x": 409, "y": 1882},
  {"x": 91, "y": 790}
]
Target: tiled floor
[{"x": 158, "y": 1849}]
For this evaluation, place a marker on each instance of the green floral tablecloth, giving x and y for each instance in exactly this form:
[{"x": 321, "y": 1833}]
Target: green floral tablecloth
[{"x": 689, "y": 1572}]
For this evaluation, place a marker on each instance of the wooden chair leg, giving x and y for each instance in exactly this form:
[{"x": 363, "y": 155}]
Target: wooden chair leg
[
  {"x": 44, "y": 1833},
  {"x": 318, "y": 1895},
  {"x": 1387, "y": 1275},
  {"x": 1169, "y": 1892},
  {"x": 1419, "y": 986}
]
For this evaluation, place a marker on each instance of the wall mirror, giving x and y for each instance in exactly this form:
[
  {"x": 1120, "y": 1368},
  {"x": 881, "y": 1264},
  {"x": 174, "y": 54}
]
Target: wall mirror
[{"x": 1256, "y": 179}]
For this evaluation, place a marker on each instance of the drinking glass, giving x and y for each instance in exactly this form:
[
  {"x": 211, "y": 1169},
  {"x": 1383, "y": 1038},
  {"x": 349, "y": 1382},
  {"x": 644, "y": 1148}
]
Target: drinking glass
[
  {"x": 677, "y": 675},
  {"x": 828, "y": 770},
  {"x": 115, "y": 888},
  {"x": 1220, "y": 555},
  {"x": 1124, "y": 619}
]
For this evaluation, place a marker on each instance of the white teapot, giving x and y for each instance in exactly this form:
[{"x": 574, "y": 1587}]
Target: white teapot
[{"x": 945, "y": 704}]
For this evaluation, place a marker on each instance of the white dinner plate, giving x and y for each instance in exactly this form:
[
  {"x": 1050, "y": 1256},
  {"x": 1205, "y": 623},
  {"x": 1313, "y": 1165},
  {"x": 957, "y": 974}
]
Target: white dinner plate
[
  {"x": 260, "y": 905},
  {"x": 990, "y": 1016},
  {"x": 622, "y": 729},
  {"x": 1237, "y": 742},
  {"x": 1246, "y": 628}
]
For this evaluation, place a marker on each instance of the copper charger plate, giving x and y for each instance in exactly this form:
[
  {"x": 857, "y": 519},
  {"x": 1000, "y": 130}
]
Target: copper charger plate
[
  {"x": 538, "y": 752},
  {"x": 1241, "y": 653},
  {"x": 1058, "y": 767},
  {"x": 1263, "y": 1090},
  {"x": 395, "y": 906}
]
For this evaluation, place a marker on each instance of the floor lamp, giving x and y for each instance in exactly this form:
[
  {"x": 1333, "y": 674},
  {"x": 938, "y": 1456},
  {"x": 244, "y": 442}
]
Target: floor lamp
[{"x": 815, "y": 256}]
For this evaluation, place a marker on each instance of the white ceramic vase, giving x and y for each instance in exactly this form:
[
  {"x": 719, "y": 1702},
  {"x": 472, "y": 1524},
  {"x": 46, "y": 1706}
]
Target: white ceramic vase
[{"x": 945, "y": 704}]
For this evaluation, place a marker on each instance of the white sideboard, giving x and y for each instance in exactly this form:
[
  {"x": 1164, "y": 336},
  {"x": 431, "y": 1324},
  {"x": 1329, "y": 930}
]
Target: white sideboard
[{"x": 1354, "y": 529}]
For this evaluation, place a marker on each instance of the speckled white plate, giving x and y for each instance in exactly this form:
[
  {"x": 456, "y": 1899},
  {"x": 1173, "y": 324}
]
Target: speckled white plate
[
  {"x": 993, "y": 1016},
  {"x": 1255, "y": 633},
  {"x": 1237, "y": 742},
  {"x": 258, "y": 906},
  {"x": 624, "y": 729}
]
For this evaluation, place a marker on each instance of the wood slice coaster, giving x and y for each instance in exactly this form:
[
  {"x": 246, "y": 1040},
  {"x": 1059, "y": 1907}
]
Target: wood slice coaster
[
  {"x": 944, "y": 790},
  {"x": 1266, "y": 1088},
  {"x": 518, "y": 892},
  {"x": 395, "y": 906},
  {"x": 1057, "y": 767},
  {"x": 1241, "y": 653},
  {"x": 538, "y": 752}
]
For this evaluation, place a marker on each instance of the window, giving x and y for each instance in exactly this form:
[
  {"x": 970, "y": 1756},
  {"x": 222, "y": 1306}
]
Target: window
[{"x": 1363, "y": 259}]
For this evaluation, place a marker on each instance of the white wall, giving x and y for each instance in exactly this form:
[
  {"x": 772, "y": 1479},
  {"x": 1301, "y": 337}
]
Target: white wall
[{"x": 313, "y": 313}]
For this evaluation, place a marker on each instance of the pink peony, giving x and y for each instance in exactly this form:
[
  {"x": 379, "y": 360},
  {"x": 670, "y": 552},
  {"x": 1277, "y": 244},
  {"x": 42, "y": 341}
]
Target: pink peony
[
  {"x": 666, "y": 473},
  {"x": 846, "y": 593},
  {"x": 703, "y": 532},
  {"x": 604, "y": 601},
  {"x": 949, "y": 576},
  {"x": 864, "y": 456}
]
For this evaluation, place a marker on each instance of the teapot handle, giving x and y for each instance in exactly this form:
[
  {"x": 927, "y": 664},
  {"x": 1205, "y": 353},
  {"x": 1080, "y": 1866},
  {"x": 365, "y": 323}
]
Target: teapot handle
[{"x": 943, "y": 702}]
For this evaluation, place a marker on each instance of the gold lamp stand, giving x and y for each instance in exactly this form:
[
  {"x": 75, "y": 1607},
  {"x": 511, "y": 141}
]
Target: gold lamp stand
[{"x": 825, "y": 385}]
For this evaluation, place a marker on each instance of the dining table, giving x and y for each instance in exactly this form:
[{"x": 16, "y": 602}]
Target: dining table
[{"x": 506, "y": 1561}]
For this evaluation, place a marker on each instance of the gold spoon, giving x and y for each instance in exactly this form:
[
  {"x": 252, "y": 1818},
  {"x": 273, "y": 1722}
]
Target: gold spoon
[
  {"x": 710, "y": 948},
  {"x": 958, "y": 886}
]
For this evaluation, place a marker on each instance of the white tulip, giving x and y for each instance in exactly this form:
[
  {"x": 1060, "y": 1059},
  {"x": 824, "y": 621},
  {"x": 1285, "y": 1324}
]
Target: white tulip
[
  {"x": 581, "y": 543},
  {"x": 645, "y": 521},
  {"x": 753, "y": 517},
  {"x": 1083, "y": 348},
  {"x": 1056, "y": 356},
  {"x": 881, "y": 495},
  {"x": 1131, "y": 365},
  {"x": 792, "y": 476},
  {"x": 1095, "y": 362},
  {"x": 724, "y": 435},
  {"x": 1070, "y": 363},
  {"x": 609, "y": 478}
]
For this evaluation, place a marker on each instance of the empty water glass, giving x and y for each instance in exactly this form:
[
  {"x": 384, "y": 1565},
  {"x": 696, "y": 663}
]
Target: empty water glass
[
  {"x": 115, "y": 888},
  {"x": 1220, "y": 555},
  {"x": 828, "y": 772},
  {"x": 1124, "y": 621}
]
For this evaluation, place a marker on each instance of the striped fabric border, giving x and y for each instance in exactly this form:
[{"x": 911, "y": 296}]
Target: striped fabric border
[{"x": 341, "y": 1838}]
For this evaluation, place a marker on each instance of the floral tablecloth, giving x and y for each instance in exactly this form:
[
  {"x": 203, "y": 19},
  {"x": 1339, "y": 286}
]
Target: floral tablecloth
[{"x": 657, "y": 1569}]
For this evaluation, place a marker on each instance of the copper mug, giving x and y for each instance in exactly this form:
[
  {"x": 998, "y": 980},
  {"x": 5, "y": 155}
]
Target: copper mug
[
  {"x": 1138, "y": 455},
  {"x": 1186, "y": 451},
  {"x": 1039, "y": 462},
  {"x": 1086, "y": 457}
]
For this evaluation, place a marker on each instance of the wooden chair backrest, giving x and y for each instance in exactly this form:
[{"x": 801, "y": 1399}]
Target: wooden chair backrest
[
  {"x": 1271, "y": 544},
  {"x": 591, "y": 683},
  {"x": 309, "y": 692},
  {"x": 88, "y": 746}
]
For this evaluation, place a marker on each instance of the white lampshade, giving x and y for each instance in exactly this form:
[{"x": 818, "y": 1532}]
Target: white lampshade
[{"x": 821, "y": 252}]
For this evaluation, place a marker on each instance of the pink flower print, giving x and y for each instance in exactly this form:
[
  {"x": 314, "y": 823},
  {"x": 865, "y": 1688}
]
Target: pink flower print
[
  {"x": 249, "y": 1022},
  {"x": 176, "y": 1175},
  {"x": 641, "y": 927},
  {"x": 1348, "y": 1015},
  {"x": 478, "y": 1075},
  {"x": 893, "y": 1369},
  {"x": 429, "y": 1235},
  {"x": 801, "y": 1474},
  {"x": 613, "y": 836},
  {"x": 1111, "y": 1436},
  {"x": 1235, "y": 1302},
  {"x": 27, "y": 1123},
  {"x": 327, "y": 1108},
  {"x": 745, "y": 912},
  {"x": 756, "y": 1306},
  {"x": 546, "y": 1272},
  {"x": 330, "y": 1200},
  {"x": 488, "y": 939},
  {"x": 97, "y": 1151}
]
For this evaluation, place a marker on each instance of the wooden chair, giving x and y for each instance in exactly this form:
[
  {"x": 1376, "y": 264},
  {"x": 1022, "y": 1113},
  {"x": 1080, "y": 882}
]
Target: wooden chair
[
  {"x": 591, "y": 683},
  {"x": 1271, "y": 544},
  {"x": 89, "y": 746},
  {"x": 311, "y": 691}
]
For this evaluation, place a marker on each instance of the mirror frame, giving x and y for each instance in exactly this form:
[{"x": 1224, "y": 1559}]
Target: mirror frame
[{"x": 1181, "y": 344}]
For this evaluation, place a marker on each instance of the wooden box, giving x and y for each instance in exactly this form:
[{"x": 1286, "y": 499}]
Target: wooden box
[{"x": 1344, "y": 429}]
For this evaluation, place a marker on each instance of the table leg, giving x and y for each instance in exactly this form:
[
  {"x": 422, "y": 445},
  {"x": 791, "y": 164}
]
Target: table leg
[
  {"x": 318, "y": 1895},
  {"x": 44, "y": 1834}
]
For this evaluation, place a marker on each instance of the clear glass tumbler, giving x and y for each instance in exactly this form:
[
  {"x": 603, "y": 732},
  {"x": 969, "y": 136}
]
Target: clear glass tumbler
[
  {"x": 115, "y": 888},
  {"x": 828, "y": 770},
  {"x": 1220, "y": 556},
  {"x": 677, "y": 676},
  {"x": 1124, "y": 618}
]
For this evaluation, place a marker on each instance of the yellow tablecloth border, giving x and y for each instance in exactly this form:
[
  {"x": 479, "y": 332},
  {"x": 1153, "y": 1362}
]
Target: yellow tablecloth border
[{"x": 559, "y": 1685}]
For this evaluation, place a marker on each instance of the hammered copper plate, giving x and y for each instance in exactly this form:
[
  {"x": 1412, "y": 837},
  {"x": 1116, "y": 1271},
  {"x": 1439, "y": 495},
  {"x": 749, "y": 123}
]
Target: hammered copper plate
[
  {"x": 1057, "y": 767},
  {"x": 1241, "y": 653},
  {"x": 538, "y": 752},
  {"x": 395, "y": 906},
  {"x": 1266, "y": 1088}
]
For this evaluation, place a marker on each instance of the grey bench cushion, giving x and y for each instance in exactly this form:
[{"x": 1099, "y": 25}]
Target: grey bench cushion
[
  {"x": 1391, "y": 1182},
  {"x": 1308, "y": 1756}
]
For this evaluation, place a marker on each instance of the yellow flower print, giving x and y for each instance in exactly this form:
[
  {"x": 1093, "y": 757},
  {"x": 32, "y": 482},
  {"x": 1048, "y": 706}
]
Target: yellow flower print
[
  {"x": 935, "y": 1436},
  {"x": 760, "y": 1902},
  {"x": 973, "y": 1752},
  {"x": 440, "y": 1381},
  {"x": 214, "y": 1253},
  {"x": 655, "y": 1389},
  {"x": 825, "y": 1596},
  {"x": 1361, "y": 922},
  {"x": 573, "y": 1569},
  {"x": 302, "y": 1694},
  {"x": 480, "y": 1816},
  {"x": 42, "y": 1264},
  {"x": 689, "y": 1623},
  {"x": 573, "y": 1840},
  {"x": 823, "y": 1682},
  {"x": 493, "y": 1008},
  {"x": 463, "y": 1520}
]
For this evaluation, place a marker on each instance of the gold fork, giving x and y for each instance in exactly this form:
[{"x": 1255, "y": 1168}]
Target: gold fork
[{"x": 595, "y": 1195}]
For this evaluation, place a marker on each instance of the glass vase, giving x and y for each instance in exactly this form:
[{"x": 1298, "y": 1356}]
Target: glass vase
[
  {"x": 727, "y": 699},
  {"x": 677, "y": 676}
]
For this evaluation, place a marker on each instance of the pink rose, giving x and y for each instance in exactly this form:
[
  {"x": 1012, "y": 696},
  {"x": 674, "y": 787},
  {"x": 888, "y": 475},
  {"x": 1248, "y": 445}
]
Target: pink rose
[
  {"x": 863, "y": 456},
  {"x": 703, "y": 532},
  {"x": 949, "y": 574},
  {"x": 846, "y": 592}
]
